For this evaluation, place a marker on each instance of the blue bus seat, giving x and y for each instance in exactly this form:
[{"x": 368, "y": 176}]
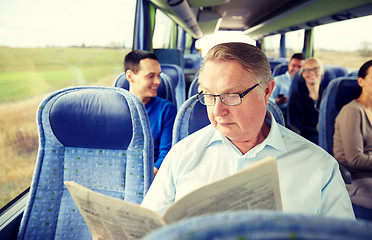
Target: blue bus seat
[
  {"x": 165, "y": 90},
  {"x": 353, "y": 73},
  {"x": 276, "y": 61},
  {"x": 177, "y": 76},
  {"x": 170, "y": 56},
  {"x": 193, "y": 61},
  {"x": 339, "y": 71},
  {"x": 193, "y": 89},
  {"x": 339, "y": 92},
  {"x": 280, "y": 69},
  {"x": 263, "y": 225},
  {"x": 193, "y": 116},
  {"x": 99, "y": 137}
]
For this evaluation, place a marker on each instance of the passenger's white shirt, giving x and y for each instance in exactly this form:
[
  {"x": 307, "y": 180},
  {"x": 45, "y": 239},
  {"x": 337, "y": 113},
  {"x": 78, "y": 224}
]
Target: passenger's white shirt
[{"x": 310, "y": 181}]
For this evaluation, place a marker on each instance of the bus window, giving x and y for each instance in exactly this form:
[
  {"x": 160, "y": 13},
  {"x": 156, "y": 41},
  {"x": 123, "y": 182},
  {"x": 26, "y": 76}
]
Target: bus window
[
  {"x": 46, "y": 46},
  {"x": 351, "y": 38},
  {"x": 162, "y": 32},
  {"x": 271, "y": 46},
  {"x": 294, "y": 42}
]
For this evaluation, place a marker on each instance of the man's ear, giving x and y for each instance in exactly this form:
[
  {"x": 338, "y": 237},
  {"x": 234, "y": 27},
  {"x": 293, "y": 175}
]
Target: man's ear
[
  {"x": 268, "y": 90},
  {"x": 129, "y": 75}
]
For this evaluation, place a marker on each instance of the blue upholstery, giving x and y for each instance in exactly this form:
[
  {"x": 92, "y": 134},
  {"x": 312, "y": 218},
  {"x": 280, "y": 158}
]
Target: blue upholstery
[
  {"x": 353, "y": 73},
  {"x": 193, "y": 89},
  {"x": 276, "y": 61},
  {"x": 165, "y": 90},
  {"x": 170, "y": 56},
  {"x": 280, "y": 69},
  {"x": 99, "y": 137},
  {"x": 277, "y": 113},
  {"x": 178, "y": 78},
  {"x": 193, "y": 116},
  {"x": 193, "y": 61},
  {"x": 339, "y": 71},
  {"x": 339, "y": 92},
  {"x": 262, "y": 225}
]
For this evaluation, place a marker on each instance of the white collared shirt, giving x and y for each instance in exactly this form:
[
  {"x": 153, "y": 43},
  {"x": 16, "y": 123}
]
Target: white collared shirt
[{"x": 309, "y": 178}]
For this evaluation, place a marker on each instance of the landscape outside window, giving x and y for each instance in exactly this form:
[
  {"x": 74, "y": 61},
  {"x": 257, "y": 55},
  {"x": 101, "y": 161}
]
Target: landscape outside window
[{"x": 46, "y": 46}]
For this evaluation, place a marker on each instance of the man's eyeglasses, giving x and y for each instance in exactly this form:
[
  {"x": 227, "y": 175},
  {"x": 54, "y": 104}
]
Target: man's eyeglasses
[
  {"x": 307, "y": 70},
  {"x": 229, "y": 99}
]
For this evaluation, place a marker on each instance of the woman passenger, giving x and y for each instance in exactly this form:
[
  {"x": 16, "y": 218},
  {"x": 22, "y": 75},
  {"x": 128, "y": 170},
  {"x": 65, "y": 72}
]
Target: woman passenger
[
  {"x": 304, "y": 103},
  {"x": 352, "y": 141}
]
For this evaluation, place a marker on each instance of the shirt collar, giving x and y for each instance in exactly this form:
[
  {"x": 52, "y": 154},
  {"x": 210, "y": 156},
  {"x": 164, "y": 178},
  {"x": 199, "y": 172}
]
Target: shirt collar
[{"x": 274, "y": 138}]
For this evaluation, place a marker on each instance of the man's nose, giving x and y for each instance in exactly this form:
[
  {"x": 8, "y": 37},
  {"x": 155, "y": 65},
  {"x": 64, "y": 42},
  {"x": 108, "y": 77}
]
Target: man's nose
[{"x": 219, "y": 107}]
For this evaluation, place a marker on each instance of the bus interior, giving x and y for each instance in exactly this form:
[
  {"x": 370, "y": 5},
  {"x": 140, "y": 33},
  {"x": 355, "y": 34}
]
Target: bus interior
[{"x": 173, "y": 29}]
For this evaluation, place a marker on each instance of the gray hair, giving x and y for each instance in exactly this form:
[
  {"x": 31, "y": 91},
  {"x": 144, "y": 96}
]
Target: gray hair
[{"x": 251, "y": 58}]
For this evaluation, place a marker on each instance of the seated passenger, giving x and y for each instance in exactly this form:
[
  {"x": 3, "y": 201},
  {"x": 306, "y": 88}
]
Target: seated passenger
[
  {"x": 283, "y": 82},
  {"x": 235, "y": 84},
  {"x": 142, "y": 70},
  {"x": 304, "y": 104},
  {"x": 352, "y": 140}
]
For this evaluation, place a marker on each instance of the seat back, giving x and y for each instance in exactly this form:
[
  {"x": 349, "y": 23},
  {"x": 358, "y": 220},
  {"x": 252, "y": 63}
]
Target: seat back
[
  {"x": 99, "y": 137},
  {"x": 277, "y": 61},
  {"x": 176, "y": 75},
  {"x": 193, "y": 61},
  {"x": 193, "y": 116},
  {"x": 280, "y": 69},
  {"x": 170, "y": 56},
  {"x": 263, "y": 225},
  {"x": 165, "y": 89},
  {"x": 339, "y": 71},
  {"x": 339, "y": 92},
  {"x": 193, "y": 89}
]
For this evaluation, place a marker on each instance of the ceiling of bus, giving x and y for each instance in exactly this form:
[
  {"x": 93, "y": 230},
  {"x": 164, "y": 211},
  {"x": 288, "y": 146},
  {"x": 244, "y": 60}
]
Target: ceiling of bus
[{"x": 259, "y": 18}]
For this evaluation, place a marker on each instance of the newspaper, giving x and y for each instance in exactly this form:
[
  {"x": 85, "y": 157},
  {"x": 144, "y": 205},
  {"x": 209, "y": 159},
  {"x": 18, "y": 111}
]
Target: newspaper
[{"x": 255, "y": 187}]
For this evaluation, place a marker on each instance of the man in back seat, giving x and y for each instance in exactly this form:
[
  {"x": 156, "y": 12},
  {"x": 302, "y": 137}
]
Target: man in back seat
[{"x": 142, "y": 70}]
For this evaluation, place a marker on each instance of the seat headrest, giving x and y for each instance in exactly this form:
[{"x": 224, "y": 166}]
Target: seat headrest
[
  {"x": 198, "y": 118},
  {"x": 93, "y": 118},
  {"x": 347, "y": 90}
]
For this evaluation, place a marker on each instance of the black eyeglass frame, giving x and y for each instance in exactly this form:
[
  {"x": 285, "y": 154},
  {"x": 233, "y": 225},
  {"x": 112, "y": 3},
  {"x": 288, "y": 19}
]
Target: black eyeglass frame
[{"x": 241, "y": 95}]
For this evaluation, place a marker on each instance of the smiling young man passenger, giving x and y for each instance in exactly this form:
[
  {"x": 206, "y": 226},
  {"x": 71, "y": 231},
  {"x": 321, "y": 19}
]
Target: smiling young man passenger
[
  {"x": 142, "y": 70},
  {"x": 235, "y": 84}
]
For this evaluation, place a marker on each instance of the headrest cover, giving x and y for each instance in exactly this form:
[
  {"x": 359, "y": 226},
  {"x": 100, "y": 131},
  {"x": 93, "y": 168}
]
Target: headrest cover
[
  {"x": 92, "y": 119},
  {"x": 199, "y": 117}
]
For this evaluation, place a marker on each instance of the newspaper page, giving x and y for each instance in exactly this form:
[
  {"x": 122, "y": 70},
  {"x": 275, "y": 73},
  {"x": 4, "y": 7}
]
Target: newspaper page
[
  {"x": 112, "y": 218},
  {"x": 255, "y": 187}
]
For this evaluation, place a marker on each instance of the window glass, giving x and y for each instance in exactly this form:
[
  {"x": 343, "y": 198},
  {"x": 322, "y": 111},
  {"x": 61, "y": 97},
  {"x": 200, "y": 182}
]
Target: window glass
[
  {"x": 163, "y": 27},
  {"x": 294, "y": 42},
  {"x": 272, "y": 46},
  {"x": 347, "y": 43},
  {"x": 45, "y": 46}
]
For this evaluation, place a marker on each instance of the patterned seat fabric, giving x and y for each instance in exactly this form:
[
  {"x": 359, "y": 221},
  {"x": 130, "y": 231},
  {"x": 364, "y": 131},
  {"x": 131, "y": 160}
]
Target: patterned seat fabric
[
  {"x": 263, "y": 225},
  {"x": 98, "y": 137}
]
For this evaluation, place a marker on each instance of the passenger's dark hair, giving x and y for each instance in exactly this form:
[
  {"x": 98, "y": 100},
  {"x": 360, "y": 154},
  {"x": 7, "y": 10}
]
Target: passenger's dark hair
[
  {"x": 299, "y": 56},
  {"x": 363, "y": 71},
  {"x": 132, "y": 59}
]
